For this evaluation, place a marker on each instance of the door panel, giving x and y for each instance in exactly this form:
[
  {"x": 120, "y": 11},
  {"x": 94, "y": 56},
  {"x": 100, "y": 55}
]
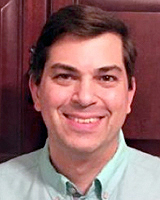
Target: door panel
[
  {"x": 58, "y": 4},
  {"x": 21, "y": 128},
  {"x": 125, "y": 5},
  {"x": 143, "y": 18},
  {"x": 34, "y": 130},
  {"x": 10, "y": 78},
  {"x": 34, "y": 16}
]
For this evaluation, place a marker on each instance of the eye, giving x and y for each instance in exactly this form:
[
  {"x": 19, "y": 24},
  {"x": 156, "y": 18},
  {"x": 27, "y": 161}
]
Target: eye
[
  {"x": 64, "y": 76},
  {"x": 64, "y": 79},
  {"x": 108, "y": 78}
]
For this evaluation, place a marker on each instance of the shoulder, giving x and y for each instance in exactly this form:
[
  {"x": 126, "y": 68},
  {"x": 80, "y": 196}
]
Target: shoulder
[
  {"x": 141, "y": 178},
  {"x": 20, "y": 165},
  {"x": 19, "y": 175},
  {"x": 143, "y": 173},
  {"x": 144, "y": 161}
]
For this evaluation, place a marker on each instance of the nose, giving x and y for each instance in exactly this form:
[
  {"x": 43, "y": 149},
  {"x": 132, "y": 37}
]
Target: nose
[{"x": 84, "y": 94}]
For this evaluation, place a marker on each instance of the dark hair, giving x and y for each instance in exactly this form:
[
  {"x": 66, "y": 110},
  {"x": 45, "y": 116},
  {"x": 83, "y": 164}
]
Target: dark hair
[{"x": 81, "y": 21}]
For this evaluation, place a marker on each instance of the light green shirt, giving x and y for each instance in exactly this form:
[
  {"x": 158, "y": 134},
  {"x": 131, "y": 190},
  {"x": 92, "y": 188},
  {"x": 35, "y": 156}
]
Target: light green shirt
[{"x": 129, "y": 175}]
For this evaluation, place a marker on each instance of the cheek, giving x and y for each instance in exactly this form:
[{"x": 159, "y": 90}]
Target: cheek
[
  {"x": 115, "y": 100},
  {"x": 54, "y": 96}
]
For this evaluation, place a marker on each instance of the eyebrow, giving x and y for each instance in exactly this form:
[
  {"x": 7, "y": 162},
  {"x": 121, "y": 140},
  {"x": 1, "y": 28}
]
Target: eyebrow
[
  {"x": 65, "y": 67},
  {"x": 109, "y": 68},
  {"x": 61, "y": 66}
]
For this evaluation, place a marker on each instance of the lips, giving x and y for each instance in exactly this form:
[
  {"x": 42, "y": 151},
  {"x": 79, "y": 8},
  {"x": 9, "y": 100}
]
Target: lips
[{"x": 83, "y": 120}]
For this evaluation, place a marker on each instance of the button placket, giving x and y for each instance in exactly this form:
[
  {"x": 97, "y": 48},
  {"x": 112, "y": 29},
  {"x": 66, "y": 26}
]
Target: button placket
[
  {"x": 105, "y": 195},
  {"x": 57, "y": 198},
  {"x": 72, "y": 190}
]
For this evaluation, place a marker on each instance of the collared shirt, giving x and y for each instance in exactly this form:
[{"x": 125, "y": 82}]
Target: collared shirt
[{"x": 129, "y": 175}]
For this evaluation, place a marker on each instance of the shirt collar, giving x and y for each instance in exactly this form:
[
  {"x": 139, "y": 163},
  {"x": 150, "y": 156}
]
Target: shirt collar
[
  {"x": 113, "y": 171},
  {"x": 54, "y": 181},
  {"x": 106, "y": 180}
]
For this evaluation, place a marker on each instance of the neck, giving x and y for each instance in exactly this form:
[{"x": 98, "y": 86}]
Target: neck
[{"x": 80, "y": 168}]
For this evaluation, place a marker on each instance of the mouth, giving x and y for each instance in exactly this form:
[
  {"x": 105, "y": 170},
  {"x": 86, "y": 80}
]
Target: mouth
[{"x": 83, "y": 120}]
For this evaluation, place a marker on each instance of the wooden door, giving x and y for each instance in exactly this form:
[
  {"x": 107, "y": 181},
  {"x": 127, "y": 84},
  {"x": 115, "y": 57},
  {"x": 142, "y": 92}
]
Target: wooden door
[
  {"x": 142, "y": 128},
  {"x": 10, "y": 78},
  {"x": 21, "y": 128}
]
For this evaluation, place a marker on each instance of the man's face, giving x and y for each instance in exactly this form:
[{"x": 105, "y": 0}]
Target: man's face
[{"x": 83, "y": 95}]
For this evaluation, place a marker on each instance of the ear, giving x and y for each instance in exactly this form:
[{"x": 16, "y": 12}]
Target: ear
[
  {"x": 34, "y": 89},
  {"x": 131, "y": 93}
]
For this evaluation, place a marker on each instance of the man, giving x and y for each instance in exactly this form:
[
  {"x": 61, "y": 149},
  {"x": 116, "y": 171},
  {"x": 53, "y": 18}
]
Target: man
[{"x": 82, "y": 81}]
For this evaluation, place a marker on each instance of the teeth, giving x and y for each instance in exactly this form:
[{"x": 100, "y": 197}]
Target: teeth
[{"x": 85, "y": 121}]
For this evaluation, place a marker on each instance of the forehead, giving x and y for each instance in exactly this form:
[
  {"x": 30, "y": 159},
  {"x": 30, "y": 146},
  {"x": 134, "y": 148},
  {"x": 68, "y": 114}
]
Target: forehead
[{"x": 87, "y": 53}]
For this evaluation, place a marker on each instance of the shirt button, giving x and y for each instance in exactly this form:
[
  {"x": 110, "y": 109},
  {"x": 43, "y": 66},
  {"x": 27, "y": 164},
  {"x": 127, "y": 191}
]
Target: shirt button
[
  {"x": 72, "y": 190},
  {"x": 105, "y": 195},
  {"x": 57, "y": 198}
]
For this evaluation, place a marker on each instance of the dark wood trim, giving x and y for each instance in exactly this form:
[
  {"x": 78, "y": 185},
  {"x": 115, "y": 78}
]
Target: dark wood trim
[
  {"x": 125, "y": 5},
  {"x": 148, "y": 146},
  {"x": 58, "y": 4}
]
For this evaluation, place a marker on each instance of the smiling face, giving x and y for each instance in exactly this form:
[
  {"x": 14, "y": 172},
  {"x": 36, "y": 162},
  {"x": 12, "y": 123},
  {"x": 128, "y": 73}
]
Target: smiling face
[{"x": 83, "y": 95}]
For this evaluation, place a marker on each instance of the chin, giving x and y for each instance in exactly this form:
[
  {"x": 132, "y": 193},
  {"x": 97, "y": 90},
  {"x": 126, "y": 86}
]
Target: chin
[{"x": 84, "y": 148}]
